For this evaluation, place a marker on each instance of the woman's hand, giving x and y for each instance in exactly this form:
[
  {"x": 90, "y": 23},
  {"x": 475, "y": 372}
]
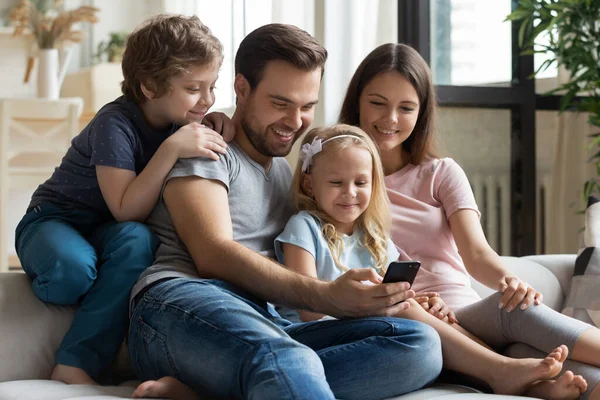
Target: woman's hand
[{"x": 517, "y": 292}]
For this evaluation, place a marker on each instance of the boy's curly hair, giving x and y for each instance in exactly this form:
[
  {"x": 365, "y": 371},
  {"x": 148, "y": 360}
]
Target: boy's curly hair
[{"x": 162, "y": 47}]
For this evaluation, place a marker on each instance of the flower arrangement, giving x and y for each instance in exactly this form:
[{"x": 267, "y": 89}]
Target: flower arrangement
[{"x": 49, "y": 24}]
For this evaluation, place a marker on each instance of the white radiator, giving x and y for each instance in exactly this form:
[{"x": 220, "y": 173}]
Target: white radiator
[{"x": 492, "y": 193}]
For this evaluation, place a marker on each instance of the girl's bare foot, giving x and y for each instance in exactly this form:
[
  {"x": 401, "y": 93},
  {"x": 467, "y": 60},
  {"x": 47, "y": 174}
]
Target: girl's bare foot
[
  {"x": 567, "y": 387},
  {"x": 71, "y": 375},
  {"x": 519, "y": 374},
  {"x": 165, "y": 387}
]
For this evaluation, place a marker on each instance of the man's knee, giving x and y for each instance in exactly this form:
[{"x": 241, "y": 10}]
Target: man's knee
[
  {"x": 281, "y": 360},
  {"x": 427, "y": 354}
]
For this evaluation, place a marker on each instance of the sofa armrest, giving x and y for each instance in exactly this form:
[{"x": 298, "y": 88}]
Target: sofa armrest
[
  {"x": 30, "y": 330},
  {"x": 544, "y": 273},
  {"x": 561, "y": 265}
]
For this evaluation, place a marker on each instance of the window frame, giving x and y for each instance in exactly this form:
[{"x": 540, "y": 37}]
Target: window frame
[{"x": 414, "y": 28}]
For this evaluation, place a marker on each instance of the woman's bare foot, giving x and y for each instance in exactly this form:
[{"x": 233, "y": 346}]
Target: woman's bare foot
[
  {"x": 567, "y": 387},
  {"x": 519, "y": 374},
  {"x": 71, "y": 375},
  {"x": 165, "y": 387}
]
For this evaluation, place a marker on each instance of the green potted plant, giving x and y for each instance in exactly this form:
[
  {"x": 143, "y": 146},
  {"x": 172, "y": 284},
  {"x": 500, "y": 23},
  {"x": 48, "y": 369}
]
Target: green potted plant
[
  {"x": 572, "y": 28},
  {"x": 112, "y": 50}
]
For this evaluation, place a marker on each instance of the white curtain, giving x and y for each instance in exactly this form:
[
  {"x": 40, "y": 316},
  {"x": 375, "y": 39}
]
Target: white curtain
[
  {"x": 352, "y": 28},
  {"x": 571, "y": 169}
]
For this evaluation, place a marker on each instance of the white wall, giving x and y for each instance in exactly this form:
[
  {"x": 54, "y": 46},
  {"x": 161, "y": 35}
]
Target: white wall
[
  {"x": 5, "y": 6},
  {"x": 115, "y": 16}
]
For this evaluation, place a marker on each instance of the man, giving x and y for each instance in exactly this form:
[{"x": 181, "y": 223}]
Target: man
[{"x": 200, "y": 313}]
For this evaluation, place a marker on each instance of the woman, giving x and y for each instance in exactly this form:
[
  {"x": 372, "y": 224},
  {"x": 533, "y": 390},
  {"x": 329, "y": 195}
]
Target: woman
[{"x": 436, "y": 221}]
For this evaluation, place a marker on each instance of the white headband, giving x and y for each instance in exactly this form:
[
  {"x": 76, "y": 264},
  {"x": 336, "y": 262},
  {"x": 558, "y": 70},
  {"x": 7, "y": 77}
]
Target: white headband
[{"x": 308, "y": 151}]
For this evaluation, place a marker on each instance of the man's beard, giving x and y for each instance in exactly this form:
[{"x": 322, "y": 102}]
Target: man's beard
[{"x": 259, "y": 142}]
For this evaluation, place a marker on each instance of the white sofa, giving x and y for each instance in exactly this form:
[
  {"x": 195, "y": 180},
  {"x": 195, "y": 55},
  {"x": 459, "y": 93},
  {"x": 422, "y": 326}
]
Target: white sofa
[{"x": 30, "y": 332}]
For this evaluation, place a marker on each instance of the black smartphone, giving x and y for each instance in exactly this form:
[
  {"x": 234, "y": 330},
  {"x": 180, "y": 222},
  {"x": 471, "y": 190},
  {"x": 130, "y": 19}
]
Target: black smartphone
[{"x": 402, "y": 271}]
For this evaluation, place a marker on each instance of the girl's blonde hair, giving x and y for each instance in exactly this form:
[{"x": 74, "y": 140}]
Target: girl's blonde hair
[{"x": 374, "y": 222}]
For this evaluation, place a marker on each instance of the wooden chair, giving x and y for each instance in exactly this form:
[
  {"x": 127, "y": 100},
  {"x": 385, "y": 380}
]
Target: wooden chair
[{"x": 34, "y": 136}]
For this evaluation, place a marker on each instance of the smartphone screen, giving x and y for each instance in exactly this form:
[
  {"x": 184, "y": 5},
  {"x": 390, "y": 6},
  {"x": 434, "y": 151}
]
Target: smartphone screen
[{"x": 402, "y": 271}]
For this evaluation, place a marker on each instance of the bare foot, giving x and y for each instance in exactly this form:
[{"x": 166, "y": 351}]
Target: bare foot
[
  {"x": 567, "y": 387},
  {"x": 519, "y": 374},
  {"x": 71, "y": 375},
  {"x": 165, "y": 387}
]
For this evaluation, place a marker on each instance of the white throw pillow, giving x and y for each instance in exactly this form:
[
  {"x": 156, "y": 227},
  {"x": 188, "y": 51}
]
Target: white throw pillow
[
  {"x": 30, "y": 330},
  {"x": 583, "y": 301}
]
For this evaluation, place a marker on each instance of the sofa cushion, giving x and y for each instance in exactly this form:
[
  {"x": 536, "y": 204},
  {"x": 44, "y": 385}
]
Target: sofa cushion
[
  {"x": 28, "y": 323},
  {"x": 583, "y": 300},
  {"x": 438, "y": 390},
  {"x": 52, "y": 390},
  {"x": 561, "y": 265}
]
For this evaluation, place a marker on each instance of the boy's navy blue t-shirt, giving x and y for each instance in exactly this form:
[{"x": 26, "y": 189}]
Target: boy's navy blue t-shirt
[{"x": 117, "y": 136}]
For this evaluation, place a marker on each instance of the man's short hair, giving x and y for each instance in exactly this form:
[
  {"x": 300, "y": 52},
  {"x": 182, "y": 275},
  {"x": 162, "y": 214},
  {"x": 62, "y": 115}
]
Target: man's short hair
[
  {"x": 165, "y": 46},
  {"x": 277, "y": 42}
]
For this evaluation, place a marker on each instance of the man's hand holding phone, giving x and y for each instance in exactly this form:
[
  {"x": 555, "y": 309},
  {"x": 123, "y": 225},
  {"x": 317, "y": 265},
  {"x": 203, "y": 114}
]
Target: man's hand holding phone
[{"x": 348, "y": 296}]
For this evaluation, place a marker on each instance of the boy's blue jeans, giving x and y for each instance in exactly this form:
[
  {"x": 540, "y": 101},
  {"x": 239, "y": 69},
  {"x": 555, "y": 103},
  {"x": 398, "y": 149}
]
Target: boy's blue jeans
[
  {"x": 74, "y": 258},
  {"x": 223, "y": 342}
]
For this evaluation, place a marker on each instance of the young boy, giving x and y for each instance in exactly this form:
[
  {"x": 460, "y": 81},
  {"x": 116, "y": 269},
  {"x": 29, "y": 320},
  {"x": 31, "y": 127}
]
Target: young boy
[{"x": 81, "y": 240}]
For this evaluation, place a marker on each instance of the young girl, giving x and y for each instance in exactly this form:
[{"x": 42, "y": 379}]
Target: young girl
[
  {"x": 435, "y": 220},
  {"x": 78, "y": 241},
  {"x": 343, "y": 223}
]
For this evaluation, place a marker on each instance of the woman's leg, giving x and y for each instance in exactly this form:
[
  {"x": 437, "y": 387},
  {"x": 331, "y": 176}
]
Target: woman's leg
[
  {"x": 587, "y": 347},
  {"x": 504, "y": 375},
  {"x": 539, "y": 327},
  {"x": 587, "y": 351}
]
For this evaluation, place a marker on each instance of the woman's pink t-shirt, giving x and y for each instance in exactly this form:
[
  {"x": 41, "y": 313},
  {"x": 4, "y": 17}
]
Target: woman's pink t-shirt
[{"x": 423, "y": 197}]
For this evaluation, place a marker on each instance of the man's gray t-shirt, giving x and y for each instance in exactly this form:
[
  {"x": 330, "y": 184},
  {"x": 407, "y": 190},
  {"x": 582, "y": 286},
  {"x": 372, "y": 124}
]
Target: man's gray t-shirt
[{"x": 259, "y": 203}]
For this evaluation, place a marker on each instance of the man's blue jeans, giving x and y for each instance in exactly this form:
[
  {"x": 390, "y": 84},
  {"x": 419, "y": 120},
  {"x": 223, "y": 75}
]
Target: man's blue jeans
[{"x": 223, "y": 342}]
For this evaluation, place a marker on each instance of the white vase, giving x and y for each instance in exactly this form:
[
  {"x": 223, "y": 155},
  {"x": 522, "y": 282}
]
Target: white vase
[{"x": 48, "y": 86}]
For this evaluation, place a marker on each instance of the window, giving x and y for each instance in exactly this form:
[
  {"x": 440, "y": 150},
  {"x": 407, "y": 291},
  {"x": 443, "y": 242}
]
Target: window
[
  {"x": 498, "y": 81},
  {"x": 226, "y": 21},
  {"x": 231, "y": 20},
  {"x": 471, "y": 45}
]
